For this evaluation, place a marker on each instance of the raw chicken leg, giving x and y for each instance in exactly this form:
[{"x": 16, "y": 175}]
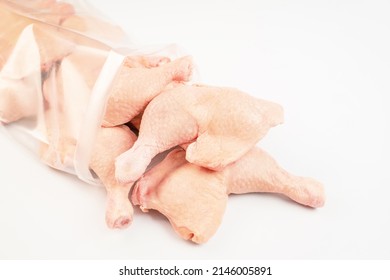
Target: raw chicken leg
[
  {"x": 35, "y": 52},
  {"x": 12, "y": 25},
  {"x": 111, "y": 142},
  {"x": 257, "y": 171},
  {"x": 222, "y": 124},
  {"x": 48, "y": 71},
  {"x": 136, "y": 87},
  {"x": 66, "y": 91},
  {"x": 55, "y": 44},
  {"x": 191, "y": 197},
  {"x": 194, "y": 198},
  {"x": 19, "y": 75},
  {"x": 66, "y": 105}
]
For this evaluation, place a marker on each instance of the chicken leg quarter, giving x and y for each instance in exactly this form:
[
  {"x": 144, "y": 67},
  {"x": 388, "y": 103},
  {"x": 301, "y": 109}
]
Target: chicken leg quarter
[
  {"x": 136, "y": 87},
  {"x": 195, "y": 206},
  {"x": 220, "y": 125}
]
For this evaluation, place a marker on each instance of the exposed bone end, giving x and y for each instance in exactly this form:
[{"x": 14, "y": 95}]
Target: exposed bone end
[
  {"x": 119, "y": 213},
  {"x": 182, "y": 68},
  {"x": 310, "y": 193},
  {"x": 120, "y": 223}
]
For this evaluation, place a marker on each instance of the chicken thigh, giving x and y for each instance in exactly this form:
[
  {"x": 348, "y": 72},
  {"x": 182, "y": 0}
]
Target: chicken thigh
[
  {"x": 194, "y": 198},
  {"x": 221, "y": 125},
  {"x": 67, "y": 91},
  {"x": 137, "y": 86},
  {"x": 49, "y": 66}
]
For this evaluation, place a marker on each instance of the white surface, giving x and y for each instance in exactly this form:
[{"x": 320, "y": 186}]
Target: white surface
[{"x": 326, "y": 62}]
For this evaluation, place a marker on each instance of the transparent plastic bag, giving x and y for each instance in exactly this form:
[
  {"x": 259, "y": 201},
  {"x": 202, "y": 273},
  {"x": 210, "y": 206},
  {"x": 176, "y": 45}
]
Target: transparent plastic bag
[
  {"x": 69, "y": 76},
  {"x": 57, "y": 66}
]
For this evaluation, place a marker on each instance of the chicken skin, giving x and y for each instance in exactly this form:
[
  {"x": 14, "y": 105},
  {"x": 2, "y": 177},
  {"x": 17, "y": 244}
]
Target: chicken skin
[
  {"x": 194, "y": 198},
  {"x": 66, "y": 83},
  {"x": 219, "y": 124},
  {"x": 137, "y": 86}
]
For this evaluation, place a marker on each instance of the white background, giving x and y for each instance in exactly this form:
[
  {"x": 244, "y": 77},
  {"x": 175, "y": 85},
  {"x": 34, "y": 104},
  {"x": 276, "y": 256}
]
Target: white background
[{"x": 326, "y": 62}]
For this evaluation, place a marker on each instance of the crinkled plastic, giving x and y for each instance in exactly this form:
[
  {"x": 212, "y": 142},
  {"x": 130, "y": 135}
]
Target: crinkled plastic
[{"x": 57, "y": 66}]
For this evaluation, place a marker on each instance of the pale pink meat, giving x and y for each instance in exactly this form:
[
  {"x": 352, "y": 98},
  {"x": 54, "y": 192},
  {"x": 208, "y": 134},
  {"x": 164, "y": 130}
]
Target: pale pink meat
[
  {"x": 191, "y": 197},
  {"x": 19, "y": 82},
  {"x": 66, "y": 92},
  {"x": 220, "y": 125},
  {"x": 257, "y": 171},
  {"x": 52, "y": 77},
  {"x": 194, "y": 198},
  {"x": 19, "y": 89},
  {"x": 137, "y": 86},
  {"x": 111, "y": 142},
  {"x": 12, "y": 24}
]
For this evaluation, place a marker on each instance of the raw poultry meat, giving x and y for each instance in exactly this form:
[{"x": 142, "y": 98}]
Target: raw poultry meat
[
  {"x": 194, "y": 198},
  {"x": 220, "y": 125},
  {"x": 57, "y": 77},
  {"x": 66, "y": 92},
  {"x": 19, "y": 93},
  {"x": 48, "y": 72},
  {"x": 111, "y": 142},
  {"x": 48, "y": 36},
  {"x": 23, "y": 69},
  {"x": 137, "y": 86},
  {"x": 26, "y": 49}
]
